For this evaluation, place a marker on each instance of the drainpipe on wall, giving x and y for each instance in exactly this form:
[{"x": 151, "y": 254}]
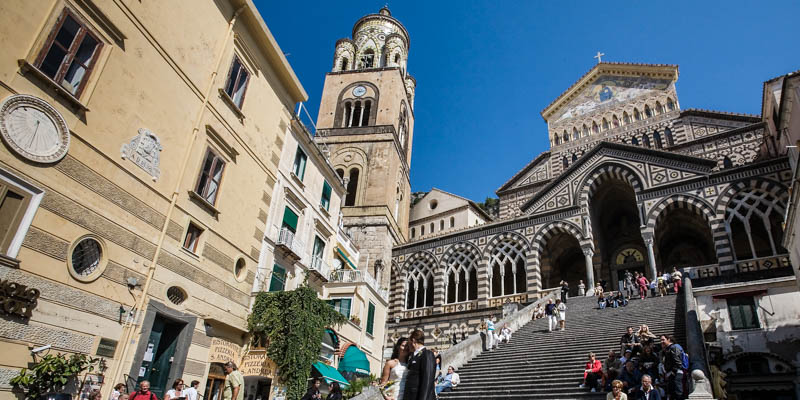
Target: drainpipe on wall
[{"x": 131, "y": 331}]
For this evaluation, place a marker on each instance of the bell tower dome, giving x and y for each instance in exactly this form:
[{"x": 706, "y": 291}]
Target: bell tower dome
[{"x": 366, "y": 119}]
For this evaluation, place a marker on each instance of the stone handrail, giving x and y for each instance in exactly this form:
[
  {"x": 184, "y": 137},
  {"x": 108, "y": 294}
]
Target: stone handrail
[
  {"x": 700, "y": 387},
  {"x": 460, "y": 354}
]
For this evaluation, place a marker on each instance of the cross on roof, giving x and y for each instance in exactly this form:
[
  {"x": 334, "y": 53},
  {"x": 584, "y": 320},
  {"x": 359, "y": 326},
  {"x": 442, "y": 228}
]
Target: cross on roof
[{"x": 599, "y": 54}]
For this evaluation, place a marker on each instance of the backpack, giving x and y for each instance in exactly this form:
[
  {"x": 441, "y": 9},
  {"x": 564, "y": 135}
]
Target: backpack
[{"x": 684, "y": 357}]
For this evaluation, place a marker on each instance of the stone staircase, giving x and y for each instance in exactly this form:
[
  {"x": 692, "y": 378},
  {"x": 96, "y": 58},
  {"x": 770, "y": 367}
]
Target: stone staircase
[{"x": 537, "y": 364}]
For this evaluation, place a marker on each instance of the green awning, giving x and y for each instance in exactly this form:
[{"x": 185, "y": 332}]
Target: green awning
[
  {"x": 346, "y": 259},
  {"x": 354, "y": 360},
  {"x": 330, "y": 374}
]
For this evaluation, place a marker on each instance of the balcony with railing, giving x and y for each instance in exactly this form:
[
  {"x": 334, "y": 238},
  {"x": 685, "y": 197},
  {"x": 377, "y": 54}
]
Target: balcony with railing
[
  {"x": 291, "y": 245},
  {"x": 743, "y": 271},
  {"x": 355, "y": 276},
  {"x": 319, "y": 268}
]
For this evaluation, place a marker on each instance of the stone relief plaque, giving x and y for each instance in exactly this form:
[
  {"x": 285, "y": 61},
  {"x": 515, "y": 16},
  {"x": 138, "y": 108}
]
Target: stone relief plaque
[{"x": 144, "y": 150}]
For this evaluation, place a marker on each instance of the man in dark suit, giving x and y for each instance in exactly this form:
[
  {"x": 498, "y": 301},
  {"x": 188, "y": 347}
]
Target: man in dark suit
[{"x": 421, "y": 369}]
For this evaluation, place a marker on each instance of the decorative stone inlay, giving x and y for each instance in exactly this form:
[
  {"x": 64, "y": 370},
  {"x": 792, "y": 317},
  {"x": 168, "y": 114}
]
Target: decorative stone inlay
[
  {"x": 65, "y": 295},
  {"x": 40, "y": 334},
  {"x": 45, "y": 243},
  {"x": 143, "y": 150}
]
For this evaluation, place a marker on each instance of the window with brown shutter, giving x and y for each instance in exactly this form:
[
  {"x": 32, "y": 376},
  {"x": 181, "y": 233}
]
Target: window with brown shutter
[
  {"x": 210, "y": 177},
  {"x": 70, "y": 53}
]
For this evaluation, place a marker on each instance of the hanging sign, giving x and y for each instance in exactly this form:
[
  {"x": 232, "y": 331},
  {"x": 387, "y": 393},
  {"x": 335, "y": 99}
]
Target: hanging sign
[
  {"x": 223, "y": 351},
  {"x": 256, "y": 363}
]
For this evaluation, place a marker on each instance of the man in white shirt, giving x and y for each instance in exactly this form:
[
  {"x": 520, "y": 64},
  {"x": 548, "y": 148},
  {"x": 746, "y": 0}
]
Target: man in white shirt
[
  {"x": 450, "y": 380},
  {"x": 191, "y": 391}
]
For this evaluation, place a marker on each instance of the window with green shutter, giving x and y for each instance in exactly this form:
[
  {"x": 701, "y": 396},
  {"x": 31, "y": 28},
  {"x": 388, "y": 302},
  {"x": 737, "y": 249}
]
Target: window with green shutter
[
  {"x": 319, "y": 247},
  {"x": 290, "y": 220},
  {"x": 341, "y": 305},
  {"x": 743, "y": 313},
  {"x": 278, "y": 282},
  {"x": 325, "y": 201},
  {"x": 299, "y": 168},
  {"x": 370, "y": 318}
]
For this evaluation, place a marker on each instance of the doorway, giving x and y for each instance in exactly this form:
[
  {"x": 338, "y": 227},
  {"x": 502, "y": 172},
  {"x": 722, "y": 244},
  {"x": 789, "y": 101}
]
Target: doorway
[
  {"x": 159, "y": 354},
  {"x": 215, "y": 382}
]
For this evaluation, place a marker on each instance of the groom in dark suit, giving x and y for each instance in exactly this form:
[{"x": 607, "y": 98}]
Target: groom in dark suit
[{"x": 421, "y": 369}]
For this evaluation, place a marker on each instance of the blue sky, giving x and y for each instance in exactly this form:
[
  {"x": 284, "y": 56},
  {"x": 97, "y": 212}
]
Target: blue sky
[{"x": 485, "y": 69}]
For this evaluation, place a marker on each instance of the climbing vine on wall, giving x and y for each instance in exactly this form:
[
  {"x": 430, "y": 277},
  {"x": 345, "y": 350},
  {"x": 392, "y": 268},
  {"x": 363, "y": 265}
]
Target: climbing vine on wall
[{"x": 292, "y": 323}]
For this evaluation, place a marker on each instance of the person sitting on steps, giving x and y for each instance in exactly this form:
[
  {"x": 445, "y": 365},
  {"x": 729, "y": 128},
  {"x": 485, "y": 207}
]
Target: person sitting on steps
[
  {"x": 592, "y": 373},
  {"x": 611, "y": 368},
  {"x": 630, "y": 376},
  {"x": 630, "y": 341}
]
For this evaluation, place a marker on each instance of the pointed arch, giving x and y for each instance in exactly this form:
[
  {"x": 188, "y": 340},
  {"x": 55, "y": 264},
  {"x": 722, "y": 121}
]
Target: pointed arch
[
  {"x": 657, "y": 139},
  {"x": 575, "y": 134},
  {"x": 461, "y": 264},
  {"x": 507, "y": 255},
  {"x": 595, "y": 128},
  {"x": 605, "y": 171},
  {"x": 615, "y": 121},
  {"x": 626, "y": 119},
  {"x": 540, "y": 241},
  {"x": 648, "y": 112},
  {"x": 420, "y": 271},
  {"x": 752, "y": 204},
  {"x": 605, "y": 124},
  {"x": 637, "y": 115},
  {"x": 585, "y": 130}
]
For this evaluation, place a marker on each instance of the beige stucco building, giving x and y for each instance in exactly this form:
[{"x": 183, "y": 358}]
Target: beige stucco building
[
  {"x": 305, "y": 242},
  {"x": 439, "y": 212},
  {"x": 140, "y": 147}
]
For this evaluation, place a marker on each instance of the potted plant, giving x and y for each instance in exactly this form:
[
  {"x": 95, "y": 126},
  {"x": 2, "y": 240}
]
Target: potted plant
[
  {"x": 354, "y": 319},
  {"x": 50, "y": 377}
]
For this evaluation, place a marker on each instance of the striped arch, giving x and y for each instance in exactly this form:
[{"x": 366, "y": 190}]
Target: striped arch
[
  {"x": 698, "y": 206},
  {"x": 540, "y": 241},
  {"x": 421, "y": 268},
  {"x": 756, "y": 184},
  {"x": 770, "y": 186},
  {"x": 455, "y": 255},
  {"x": 396, "y": 283},
  {"x": 602, "y": 173},
  {"x": 497, "y": 248}
]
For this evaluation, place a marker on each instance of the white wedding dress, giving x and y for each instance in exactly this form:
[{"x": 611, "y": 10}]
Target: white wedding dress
[{"x": 398, "y": 375}]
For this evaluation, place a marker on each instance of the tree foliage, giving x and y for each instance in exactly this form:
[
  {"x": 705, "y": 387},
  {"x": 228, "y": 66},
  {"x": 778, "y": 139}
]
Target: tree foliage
[
  {"x": 52, "y": 373},
  {"x": 293, "y": 322}
]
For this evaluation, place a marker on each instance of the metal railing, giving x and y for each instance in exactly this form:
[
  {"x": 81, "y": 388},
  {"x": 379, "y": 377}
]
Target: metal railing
[
  {"x": 287, "y": 239},
  {"x": 320, "y": 266},
  {"x": 355, "y": 276}
]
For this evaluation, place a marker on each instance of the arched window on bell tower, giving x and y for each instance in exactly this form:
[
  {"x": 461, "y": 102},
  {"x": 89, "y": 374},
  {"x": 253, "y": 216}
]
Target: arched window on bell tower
[
  {"x": 344, "y": 64},
  {"x": 352, "y": 188},
  {"x": 368, "y": 59}
]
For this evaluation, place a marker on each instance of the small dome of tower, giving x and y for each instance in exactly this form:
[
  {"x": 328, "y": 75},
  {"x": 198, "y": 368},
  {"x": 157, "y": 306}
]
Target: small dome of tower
[{"x": 385, "y": 11}]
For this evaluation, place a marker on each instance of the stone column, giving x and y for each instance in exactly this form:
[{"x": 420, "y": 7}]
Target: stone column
[
  {"x": 651, "y": 255},
  {"x": 588, "y": 253}
]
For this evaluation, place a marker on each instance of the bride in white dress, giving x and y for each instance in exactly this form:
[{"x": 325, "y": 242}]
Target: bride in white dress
[{"x": 395, "y": 371}]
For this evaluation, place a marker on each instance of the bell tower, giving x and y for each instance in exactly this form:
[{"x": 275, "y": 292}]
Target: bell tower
[{"x": 366, "y": 119}]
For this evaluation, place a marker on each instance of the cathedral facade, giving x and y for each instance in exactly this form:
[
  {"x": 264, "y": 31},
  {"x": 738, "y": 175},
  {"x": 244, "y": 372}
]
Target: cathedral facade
[{"x": 631, "y": 182}]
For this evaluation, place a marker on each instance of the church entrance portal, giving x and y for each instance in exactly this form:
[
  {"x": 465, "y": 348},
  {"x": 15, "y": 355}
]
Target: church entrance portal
[
  {"x": 562, "y": 259},
  {"x": 683, "y": 238},
  {"x": 616, "y": 227}
]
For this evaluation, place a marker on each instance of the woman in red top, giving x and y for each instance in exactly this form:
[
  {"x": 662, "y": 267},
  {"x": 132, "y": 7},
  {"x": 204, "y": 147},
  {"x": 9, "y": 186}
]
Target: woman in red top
[{"x": 592, "y": 373}]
